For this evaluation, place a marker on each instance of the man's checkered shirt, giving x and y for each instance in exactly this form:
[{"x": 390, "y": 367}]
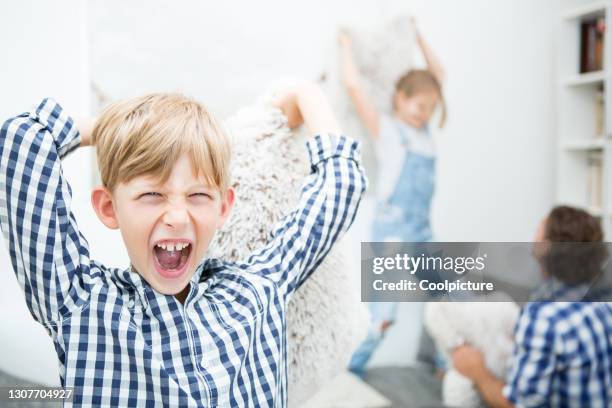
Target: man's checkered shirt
[{"x": 563, "y": 351}]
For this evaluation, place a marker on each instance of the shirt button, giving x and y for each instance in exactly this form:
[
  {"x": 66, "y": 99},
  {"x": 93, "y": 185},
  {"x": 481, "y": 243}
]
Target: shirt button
[{"x": 131, "y": 304}]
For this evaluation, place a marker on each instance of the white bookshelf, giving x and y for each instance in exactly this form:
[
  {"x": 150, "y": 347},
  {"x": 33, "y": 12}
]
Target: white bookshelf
[
  {"x": 585, "y": 145},
  {"x": 591, "y": 78},
  {"x": 584, "y": 11},
  {"x": 580, "y": 143}
]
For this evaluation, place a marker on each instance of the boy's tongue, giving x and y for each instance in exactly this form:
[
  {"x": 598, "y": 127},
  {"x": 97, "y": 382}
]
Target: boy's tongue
[{"x": 168, "y": 259}]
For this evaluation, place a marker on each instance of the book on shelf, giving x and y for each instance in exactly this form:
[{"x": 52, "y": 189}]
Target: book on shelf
[
  {"x": 592, "y": 44},
  {"x": 595, "y": 180},
  {"x": 599, "y": 113}
]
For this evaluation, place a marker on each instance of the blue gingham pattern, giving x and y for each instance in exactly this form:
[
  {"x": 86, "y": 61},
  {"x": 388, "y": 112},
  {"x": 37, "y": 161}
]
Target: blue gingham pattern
[
  {"x": 119, "y": 342},
  {"x": 562, "y": 356}
]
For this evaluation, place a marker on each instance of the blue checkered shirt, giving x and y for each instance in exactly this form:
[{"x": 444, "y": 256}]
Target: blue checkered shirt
[
  {"x": 121, "y": 343},
  {"x": 563, "y": 353}
]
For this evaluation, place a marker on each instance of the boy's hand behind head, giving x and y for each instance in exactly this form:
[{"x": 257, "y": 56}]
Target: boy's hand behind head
[
  {"x": 306, "y": 103},
  {"x": 287, "y": 102}
]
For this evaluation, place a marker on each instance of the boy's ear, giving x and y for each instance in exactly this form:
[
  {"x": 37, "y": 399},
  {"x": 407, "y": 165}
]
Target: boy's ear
[
  {"x": 227, "y": 203},
  {"x": 102, "y": 202}
]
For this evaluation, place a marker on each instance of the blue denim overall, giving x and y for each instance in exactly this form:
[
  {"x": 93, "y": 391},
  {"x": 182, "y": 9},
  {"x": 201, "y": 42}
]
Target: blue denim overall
[{"x": 404, "y": 217}]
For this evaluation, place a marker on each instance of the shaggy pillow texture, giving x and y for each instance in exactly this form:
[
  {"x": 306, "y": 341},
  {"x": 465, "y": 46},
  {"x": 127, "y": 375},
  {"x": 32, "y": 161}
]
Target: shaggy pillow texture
[
  {"x": 393, "y": 43},
  {"x": 326, "y": 321},
  {"x": 488, "y": 326},
  {"x": 383, "y": 53}
]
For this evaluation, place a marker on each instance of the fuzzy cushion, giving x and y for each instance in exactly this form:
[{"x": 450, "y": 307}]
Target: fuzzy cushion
[
  {"x": 488, "y": 326},
  {"x": 325, "y": 319},
  {"x": 392, "y": 42}
]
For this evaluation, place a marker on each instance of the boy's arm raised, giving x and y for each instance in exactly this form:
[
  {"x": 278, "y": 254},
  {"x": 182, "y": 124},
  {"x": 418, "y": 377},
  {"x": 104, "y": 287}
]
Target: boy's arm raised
[
  {"x": 48, "y": 254},
  {"x": 329, "y": 199}
]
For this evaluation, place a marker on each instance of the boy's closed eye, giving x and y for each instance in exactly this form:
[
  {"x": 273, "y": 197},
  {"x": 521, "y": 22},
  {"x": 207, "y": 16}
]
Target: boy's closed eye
[
  {"x": 198, "y": 195},
  {"x": 150, "y": 196},
  {"x": 201, "y": 197}
]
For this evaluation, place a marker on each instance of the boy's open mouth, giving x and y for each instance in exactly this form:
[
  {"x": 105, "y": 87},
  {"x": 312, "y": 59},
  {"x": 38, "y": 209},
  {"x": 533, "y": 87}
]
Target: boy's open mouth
[{"x": 171, "y": 257}]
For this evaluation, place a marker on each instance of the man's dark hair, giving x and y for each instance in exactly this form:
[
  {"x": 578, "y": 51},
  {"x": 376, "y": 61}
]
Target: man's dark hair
[{"x": 577, "y": 253}]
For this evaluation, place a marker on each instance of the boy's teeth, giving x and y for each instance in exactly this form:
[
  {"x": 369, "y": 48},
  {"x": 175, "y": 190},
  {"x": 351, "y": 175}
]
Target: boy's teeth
[{"x": 173, "y": 247}]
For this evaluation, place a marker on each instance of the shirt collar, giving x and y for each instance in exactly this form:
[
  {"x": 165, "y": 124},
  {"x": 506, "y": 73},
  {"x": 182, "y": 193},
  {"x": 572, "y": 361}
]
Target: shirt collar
[
  {"x": 203, "y": 278},
  {"x": 554, "y": 290}
]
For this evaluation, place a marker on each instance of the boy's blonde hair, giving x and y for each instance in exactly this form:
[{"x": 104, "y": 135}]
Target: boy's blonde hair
[
  {"x": 148, "y": 134},
  {"x": 421, "y": 80}
]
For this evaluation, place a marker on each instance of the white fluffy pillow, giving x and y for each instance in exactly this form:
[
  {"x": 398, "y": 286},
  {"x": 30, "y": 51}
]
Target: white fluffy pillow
[
  {"x": 383, "y": 53},
  {"x": 487, "y": 325},
  {"x": 326, "y": 321}
]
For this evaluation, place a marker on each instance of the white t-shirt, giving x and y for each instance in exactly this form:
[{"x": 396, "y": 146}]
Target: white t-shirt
[{"x": 391, "y": 151}]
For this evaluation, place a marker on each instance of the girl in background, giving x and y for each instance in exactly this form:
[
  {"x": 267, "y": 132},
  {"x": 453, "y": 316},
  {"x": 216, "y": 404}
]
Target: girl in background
[{"x": 406, "y": 165}]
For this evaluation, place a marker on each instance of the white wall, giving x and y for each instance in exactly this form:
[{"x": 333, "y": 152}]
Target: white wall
[
  {"x": 495, "y": 177},
  {"x": 221, "y": 53},
  {"x": 43, "y": 46}
]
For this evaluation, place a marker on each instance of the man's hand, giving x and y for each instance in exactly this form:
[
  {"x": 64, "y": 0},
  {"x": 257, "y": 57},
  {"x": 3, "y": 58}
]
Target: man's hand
[{"x": 469, "y": 362}]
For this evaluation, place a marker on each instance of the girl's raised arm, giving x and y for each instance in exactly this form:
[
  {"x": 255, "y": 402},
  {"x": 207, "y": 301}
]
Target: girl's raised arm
[
  {"x": 365, "y": 108},
  {"x": 433, "y": 63}
]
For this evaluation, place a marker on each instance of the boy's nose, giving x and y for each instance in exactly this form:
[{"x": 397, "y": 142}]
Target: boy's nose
[{"x": 176, "y": 217}]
